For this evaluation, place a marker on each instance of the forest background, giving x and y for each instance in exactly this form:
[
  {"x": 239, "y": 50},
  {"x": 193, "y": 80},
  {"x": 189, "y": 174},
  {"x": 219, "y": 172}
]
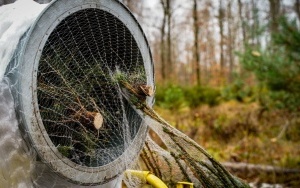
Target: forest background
[{"x": 228, "y": 75}]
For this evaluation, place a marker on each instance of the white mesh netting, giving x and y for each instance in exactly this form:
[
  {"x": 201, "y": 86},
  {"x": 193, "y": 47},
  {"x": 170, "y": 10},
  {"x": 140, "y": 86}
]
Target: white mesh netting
[
  {"x": 77, "y": 90},
  {"x": 82, "y": 79},
  {"x": 67, "y": 99}
]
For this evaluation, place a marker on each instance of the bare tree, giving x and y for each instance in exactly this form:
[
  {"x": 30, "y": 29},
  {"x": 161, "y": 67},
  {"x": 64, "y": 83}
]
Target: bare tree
[
  {"x": 242, "y": 25},
  {"x": 169, "y": 49},
  {"x": 162, "y": 42},
  {"x": 166, "y": 46},
  {"x": 136, "y": 7},
  {"x": 297, "y": 8},
  {"x": 221, "y": 19},
  {"x": 274, "y": 14},
  {"x": 196, "y": 42}
]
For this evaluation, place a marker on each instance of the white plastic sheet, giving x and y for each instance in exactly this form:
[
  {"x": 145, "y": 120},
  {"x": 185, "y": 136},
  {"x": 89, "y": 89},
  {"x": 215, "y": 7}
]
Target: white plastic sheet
[{"x": 16, "y": 19}]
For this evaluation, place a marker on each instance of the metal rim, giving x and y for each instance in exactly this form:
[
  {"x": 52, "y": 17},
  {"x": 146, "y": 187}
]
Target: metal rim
[{"x": 38, "y": 35}]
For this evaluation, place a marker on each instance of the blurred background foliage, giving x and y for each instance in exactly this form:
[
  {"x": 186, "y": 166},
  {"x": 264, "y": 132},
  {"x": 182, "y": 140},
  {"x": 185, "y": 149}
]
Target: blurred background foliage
[
  {"x": 278, "y": 66},
  {"x": 276, "y": 71},
  {"x": 228, "y": 75}
]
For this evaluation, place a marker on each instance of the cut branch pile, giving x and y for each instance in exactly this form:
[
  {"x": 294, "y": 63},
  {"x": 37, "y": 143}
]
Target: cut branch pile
[{"x": 182, "y": 153}]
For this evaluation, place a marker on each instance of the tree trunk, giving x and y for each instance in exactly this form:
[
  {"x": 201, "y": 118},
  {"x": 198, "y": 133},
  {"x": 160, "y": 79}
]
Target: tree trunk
[
  {"x": 297, "y": 8},
  {"x": 242, "y": 21},
  {"x": 230, "y": 41},
  {"x": 166, "y": 56},
  {"x": 169, "y": 47},
  {"x": 162, "y": 43},
  {"x": 220, "y": 17},
  {"x": 274, "y": 14},
  {"x": 264, "y": 173},
  {"x": 196, "y": 43}
]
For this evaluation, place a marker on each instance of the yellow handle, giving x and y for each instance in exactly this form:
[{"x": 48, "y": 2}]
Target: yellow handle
[
  {"x": 184, "y": 185},
  {"x": 150, "y": 178}
]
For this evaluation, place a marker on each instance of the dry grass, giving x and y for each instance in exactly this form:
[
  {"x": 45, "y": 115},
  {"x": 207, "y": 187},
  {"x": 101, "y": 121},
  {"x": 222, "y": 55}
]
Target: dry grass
[{"x": 240, "y": 132}]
